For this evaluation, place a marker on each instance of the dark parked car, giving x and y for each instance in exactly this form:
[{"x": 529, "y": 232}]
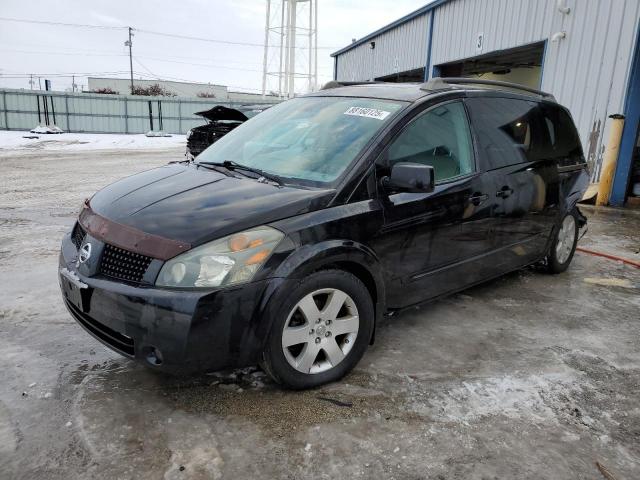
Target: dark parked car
[
  {"x": 288, "y": 239},
  {"x": 220, "y": 121}
]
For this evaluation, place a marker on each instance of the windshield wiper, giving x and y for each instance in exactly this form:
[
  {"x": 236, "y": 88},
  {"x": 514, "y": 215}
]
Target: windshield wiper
[
  {"x": 216, "y": 167},
  {"x": 233, "y": 166}
]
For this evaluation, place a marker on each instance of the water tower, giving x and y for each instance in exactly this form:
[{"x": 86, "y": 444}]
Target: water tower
[{"x": 290, "y": 47}]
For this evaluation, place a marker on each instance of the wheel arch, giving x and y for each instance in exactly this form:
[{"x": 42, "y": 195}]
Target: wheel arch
[{"x": 346, "y": 255}]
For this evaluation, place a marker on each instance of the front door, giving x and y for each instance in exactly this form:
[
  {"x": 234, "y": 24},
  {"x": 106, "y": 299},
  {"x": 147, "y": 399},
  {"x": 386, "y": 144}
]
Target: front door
[{"x": 427, "y": 236}]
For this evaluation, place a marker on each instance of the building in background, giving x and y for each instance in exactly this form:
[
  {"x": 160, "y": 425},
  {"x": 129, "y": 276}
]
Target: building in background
[
  {"x": 585, "y": 52},
  {"x": 220, "y": 93}
]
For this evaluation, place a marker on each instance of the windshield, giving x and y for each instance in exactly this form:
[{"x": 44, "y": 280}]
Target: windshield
[{"x": 310, "y": 140}]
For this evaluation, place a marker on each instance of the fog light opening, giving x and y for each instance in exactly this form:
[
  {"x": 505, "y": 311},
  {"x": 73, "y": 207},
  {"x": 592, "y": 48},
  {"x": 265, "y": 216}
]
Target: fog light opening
[{"x": 153, "y": 356}]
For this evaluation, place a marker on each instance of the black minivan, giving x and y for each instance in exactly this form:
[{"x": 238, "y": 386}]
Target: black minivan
[{"x": 287, "y": 240}]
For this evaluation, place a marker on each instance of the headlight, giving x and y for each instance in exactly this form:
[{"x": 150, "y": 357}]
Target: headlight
[{"x": 227, "y": 261}]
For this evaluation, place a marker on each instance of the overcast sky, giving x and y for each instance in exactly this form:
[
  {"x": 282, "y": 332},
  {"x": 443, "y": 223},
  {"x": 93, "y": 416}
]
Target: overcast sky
[{"x": 47, "y": 50}]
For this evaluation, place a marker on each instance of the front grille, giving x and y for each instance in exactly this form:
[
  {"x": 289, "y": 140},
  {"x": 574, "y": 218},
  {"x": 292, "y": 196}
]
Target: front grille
[
  {"x": 77, "y": 235},
  {"x": 123, "y": 265},
  {"x": 114, "y": 339}
]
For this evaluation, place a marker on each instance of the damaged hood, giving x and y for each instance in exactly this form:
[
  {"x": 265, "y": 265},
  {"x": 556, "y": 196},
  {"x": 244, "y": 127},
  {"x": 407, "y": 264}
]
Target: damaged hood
[
  {"x": 193, "y": 204},
  {"x": 222, "y": 113}
]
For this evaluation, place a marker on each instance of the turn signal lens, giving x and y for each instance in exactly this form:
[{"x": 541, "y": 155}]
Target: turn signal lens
[
  {"x": 259, "y": 257},
  {"x": 238, "y": 242}
]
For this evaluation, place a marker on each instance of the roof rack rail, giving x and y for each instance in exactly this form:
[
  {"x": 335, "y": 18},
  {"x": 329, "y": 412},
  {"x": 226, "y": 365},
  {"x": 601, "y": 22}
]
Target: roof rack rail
[
  {"x": 438, "y": 83},
  {"x": 336, "y": 84}
]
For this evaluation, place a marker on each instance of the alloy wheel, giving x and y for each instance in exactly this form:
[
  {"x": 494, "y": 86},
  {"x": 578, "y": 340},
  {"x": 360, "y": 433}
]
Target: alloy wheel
[
  {"x": 566, "y": 237},
  {"x": 320, "y": 330}
]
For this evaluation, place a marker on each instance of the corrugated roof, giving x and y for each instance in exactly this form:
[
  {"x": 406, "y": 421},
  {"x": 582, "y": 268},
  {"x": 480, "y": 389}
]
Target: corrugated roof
[{"x": 421, "y": 11}]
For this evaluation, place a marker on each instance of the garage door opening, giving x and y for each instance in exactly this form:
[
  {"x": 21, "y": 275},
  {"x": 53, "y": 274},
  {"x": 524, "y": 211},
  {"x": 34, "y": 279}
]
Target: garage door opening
[
  {"x": 521, "y": 65},
  {"x": 416, "y": 75}
]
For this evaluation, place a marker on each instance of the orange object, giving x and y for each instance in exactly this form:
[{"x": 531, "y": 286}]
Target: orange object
[
  {"x": 257, "y": 257},
  {"x": 238, "y": 243},
  {"x": 255, "y": 243},
  {"x": 610, "y": 257}
]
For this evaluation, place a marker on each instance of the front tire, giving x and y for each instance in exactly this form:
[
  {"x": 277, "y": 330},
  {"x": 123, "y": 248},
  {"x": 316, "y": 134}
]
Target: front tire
[
  {"x": 321, "y": 330},
  {"x": 564, "y": 244}
]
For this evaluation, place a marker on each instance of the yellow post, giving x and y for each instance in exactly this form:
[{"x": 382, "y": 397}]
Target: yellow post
[{"x": 610, "y": 159}]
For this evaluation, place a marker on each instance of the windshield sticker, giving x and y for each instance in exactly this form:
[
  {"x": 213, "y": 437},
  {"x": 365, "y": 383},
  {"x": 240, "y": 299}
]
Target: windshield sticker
[{"x": 367, "y": 112}]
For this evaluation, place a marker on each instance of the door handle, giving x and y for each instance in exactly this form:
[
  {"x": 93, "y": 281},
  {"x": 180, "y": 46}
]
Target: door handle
[
  {"x": 504, "y": 192},
  {"x": 478, "y": 198}
]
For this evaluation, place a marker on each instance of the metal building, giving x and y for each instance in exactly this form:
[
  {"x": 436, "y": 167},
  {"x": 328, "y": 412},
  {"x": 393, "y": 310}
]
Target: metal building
[{"x": 585, "y": 52}]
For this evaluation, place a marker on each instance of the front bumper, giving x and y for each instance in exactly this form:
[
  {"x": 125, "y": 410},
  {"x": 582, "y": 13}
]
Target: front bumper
[{"x": 174, "y": 330}]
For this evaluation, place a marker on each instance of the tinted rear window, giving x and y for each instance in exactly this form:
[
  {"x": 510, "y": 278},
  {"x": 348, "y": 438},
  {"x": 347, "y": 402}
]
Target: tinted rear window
[
  {"x": 563, "y": 140},
  {"x": 509, "y": 131}
]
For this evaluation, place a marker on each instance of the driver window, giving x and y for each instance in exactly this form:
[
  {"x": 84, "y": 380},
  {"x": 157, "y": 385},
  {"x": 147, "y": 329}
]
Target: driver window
[{"x": 439, "y": 138}]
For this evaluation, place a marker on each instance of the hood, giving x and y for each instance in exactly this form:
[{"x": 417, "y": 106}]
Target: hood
[
  {"x": 222, "y": 113},
  {"x": 195, "y": 205}
]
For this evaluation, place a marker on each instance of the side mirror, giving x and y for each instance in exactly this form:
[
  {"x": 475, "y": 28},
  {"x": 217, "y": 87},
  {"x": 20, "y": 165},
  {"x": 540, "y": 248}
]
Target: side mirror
[{"x": 410, "y": 177}]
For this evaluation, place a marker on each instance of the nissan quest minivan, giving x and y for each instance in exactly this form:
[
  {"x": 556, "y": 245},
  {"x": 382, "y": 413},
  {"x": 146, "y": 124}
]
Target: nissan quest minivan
[{"x": 285, "y": 242}]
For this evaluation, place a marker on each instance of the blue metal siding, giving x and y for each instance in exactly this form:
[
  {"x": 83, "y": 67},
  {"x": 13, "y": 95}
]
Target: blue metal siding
[
  {"x": 630, "y": 132},
  {"x": 427, "y": 68}
]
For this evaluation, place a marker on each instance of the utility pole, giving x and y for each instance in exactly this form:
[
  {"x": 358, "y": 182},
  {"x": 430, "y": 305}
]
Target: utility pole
[{"x": 129, "y": 44}]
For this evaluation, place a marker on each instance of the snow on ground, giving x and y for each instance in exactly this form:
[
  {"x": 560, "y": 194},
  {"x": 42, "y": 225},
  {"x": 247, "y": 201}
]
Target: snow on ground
[{"x": 16, "y": 141}]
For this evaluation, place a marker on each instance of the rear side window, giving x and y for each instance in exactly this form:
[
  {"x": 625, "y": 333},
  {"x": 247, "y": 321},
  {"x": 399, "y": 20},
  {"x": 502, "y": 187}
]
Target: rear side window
[
  {"x": 439, "y": 138},
  {"x": 563, "y": 141},
  {"x": 509, "y": 131}
]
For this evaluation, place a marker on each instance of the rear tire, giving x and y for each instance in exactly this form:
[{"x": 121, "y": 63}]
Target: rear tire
[
  {"x": 320, "y": 331},
  {"x": 564, "y": 244}
]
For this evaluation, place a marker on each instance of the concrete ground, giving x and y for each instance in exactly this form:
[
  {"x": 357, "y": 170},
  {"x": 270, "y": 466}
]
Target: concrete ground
[{"x": 529, "y": 376}]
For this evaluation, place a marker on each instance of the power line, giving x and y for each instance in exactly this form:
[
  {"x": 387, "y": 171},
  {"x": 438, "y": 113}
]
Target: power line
[
  {"x": 61, "y": 24},
  {"x": 63, "y": 74},
  {"x": 142, "y": 65},
  {"x": 206, "y": 65},
  {"x": 194, "y": 64},
  {"x": 80, "y": 52},
  {"x": 145, "y": 76},
  {"x": 88, "y": 54},
  {"x": 149, "y": 32},
  {"x": 201, "y": 39},
  {"x": 131, "y": 30},
  {"x": 211, "y": 40}
]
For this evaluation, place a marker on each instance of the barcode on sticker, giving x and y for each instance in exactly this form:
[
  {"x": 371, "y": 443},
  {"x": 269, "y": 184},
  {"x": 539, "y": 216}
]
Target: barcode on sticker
[{"x": 367, "y": 112}]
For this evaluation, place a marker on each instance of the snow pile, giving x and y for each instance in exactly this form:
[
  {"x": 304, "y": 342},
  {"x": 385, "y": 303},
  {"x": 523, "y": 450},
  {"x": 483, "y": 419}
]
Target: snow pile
[
  {"x": 514, "y": 397},
  {"x": 47, "y": 129},
  {"x": 160, "y": 133},
  {"x": 25, "y": 141}
]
